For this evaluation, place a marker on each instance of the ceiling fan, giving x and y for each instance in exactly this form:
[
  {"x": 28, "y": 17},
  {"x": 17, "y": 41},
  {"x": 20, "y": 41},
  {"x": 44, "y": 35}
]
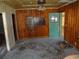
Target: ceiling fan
[{"x": 40, "y": 4}]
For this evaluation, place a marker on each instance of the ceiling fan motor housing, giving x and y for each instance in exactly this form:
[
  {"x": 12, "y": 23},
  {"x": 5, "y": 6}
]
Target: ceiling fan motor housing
[{"x": 41, "y": 1}]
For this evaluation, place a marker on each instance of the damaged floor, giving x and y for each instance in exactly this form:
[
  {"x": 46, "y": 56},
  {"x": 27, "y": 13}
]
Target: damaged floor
[{"x": 40, "y": 49}]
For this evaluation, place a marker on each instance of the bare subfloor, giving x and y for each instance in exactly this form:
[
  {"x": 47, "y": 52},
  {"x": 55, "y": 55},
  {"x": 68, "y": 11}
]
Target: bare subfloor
[{"x": 40, "y": 49}]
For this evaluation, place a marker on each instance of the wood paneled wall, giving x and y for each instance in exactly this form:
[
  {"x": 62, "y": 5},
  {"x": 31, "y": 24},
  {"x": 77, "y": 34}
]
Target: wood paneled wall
[
  {"x": 39, "y": 31},
  {"x": 71, "y": 23}
]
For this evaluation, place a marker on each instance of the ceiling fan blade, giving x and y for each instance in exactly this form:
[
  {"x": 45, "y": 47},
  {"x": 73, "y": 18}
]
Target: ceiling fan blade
[{"x": 66, "y": 1}]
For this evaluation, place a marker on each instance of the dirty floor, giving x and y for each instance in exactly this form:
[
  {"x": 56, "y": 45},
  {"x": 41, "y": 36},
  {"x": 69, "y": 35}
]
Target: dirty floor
[{"x": 40, "y": 49}]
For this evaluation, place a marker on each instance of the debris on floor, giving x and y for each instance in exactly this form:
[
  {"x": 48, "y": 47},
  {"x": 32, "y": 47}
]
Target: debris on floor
[{"x": 40, "y": 50}]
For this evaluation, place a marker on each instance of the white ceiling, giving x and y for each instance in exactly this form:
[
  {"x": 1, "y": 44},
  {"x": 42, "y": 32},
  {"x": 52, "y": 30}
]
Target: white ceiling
[{"x": 17, "y": 4}]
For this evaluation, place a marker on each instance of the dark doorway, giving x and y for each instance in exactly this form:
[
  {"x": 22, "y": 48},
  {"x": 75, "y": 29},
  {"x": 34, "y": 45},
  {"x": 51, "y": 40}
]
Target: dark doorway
[
  {"x": 2, "y": 34},
  {"x": 14, "y": 26}
]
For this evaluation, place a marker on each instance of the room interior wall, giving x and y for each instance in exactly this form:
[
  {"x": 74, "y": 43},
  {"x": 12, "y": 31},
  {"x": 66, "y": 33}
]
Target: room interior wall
[
  {"x": 7, "y": 12},
  {"x": 77, "y": 31},
  {"x": 39, "y": 31},
  {"x": 71, "y": 31}
]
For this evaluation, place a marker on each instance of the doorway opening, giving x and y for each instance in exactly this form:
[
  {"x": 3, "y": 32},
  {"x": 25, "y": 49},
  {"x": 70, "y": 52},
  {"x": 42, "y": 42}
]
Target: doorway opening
[
  {"x": 2, "y": 33},
  {"x": 14, "y": 26}
]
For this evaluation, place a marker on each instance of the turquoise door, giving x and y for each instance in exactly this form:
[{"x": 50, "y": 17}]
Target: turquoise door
[{"x": 54, "y": 24}]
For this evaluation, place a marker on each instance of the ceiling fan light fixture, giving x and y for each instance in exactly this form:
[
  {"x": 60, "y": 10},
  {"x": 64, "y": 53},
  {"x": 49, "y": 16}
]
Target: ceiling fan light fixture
[{"x": 41, "y": 9}]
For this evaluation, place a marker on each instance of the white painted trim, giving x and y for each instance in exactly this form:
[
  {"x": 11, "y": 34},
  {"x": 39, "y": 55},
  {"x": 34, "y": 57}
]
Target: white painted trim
[
  {"x": 36, "y": 8},
  {"x": 5, "y": 30},
  {"x": 8, "y": 29},
  {"x": 67, "y": 4}
]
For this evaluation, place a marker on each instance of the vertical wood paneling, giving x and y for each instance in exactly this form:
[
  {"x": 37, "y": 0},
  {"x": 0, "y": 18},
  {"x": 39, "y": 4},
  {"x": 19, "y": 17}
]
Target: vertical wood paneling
[
  {"x": 71, "y": 22},
  {"x": 77, "y": 31},
  {"x": 39, "y": 31}
]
